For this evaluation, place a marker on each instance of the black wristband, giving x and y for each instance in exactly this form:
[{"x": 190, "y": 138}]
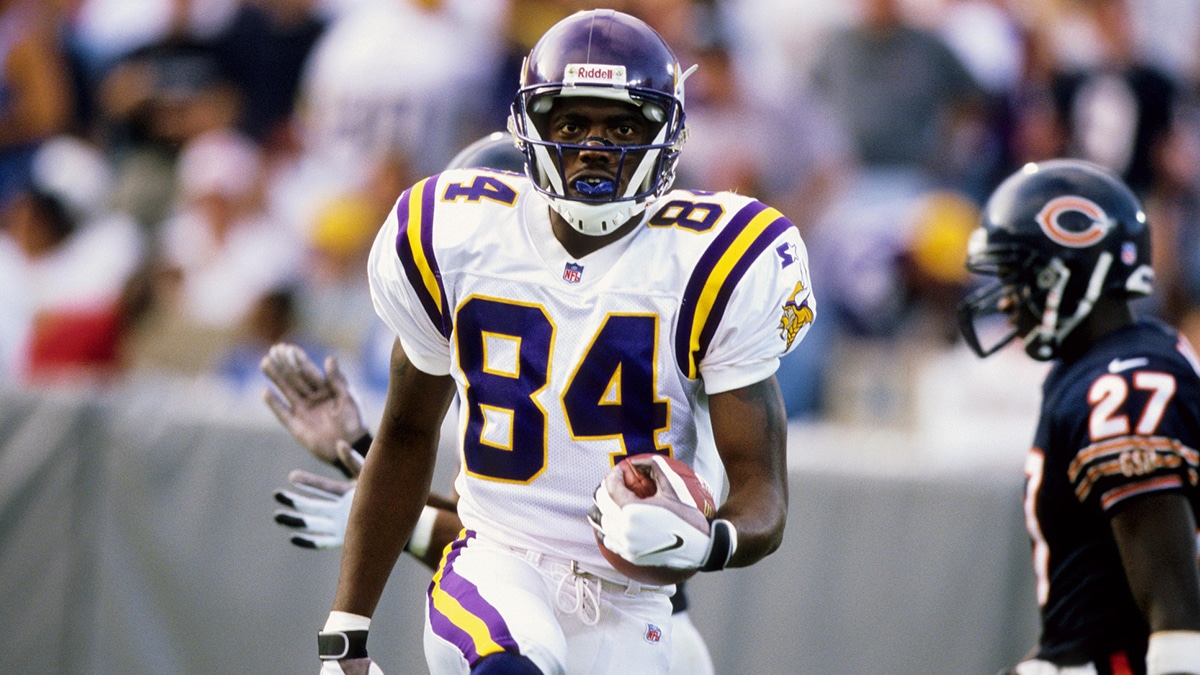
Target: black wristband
[
  {"x": 360, "y": 446},
  {"x": 336, "y": 645},
  {"x": 722, "y": 546}
]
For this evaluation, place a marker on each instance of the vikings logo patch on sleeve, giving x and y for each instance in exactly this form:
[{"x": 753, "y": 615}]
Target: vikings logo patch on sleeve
[{"x": 795, "y": 316}]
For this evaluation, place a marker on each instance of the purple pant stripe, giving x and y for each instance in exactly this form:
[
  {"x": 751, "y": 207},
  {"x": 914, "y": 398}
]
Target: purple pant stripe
[{"x": 467, "y": 595}]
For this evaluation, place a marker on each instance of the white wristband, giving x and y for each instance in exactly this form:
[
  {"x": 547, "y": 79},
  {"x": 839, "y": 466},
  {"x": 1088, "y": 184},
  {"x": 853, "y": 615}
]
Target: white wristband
[
  {"x": 1173, "y": 651},
  {"x": 422, "y": 534},
  {"x": 344, "y": 621}
]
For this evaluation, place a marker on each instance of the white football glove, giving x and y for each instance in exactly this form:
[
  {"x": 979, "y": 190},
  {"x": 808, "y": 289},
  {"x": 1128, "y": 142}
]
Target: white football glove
[
  {"x": 645, "y": 533},
  {"x": 319, "y": 507},
  {"x": 317, "y": 408}
]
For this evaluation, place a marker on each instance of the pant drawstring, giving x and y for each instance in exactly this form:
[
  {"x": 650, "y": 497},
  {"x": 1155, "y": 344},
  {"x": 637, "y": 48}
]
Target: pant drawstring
[{"x": 580, "y": 595}]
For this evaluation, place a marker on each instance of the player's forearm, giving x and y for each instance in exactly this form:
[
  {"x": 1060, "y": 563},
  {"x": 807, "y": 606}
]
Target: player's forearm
[
  {"x": 390, "y": 496},
  {"x": 750, "y": 430}
]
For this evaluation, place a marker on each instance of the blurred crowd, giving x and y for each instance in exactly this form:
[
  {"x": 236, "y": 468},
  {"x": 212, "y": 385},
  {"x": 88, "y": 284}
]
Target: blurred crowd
[{"x": 185, "y": 182}]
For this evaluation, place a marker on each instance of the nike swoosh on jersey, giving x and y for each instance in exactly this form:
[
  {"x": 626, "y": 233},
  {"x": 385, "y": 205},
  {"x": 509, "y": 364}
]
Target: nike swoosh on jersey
[
  {"x": 678, "y": 543},
  {"x": 1121, "y": 365}
]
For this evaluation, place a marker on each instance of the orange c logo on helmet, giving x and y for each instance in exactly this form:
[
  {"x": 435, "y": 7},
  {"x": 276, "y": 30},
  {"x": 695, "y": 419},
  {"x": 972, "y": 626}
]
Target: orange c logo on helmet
[{"x": 1054, "y": 209}]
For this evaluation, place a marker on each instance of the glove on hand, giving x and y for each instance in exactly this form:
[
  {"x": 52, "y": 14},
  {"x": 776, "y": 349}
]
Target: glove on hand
[
  {"x": 643, "y": 532},
  {"x": 319, "y": 507},
  {"x": 317, "y": 408}
]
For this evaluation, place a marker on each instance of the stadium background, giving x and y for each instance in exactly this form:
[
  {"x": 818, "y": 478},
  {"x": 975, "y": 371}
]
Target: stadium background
[{"x": 221, "y": 166}]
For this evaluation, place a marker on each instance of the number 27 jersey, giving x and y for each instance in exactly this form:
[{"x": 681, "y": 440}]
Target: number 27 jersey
[{"x": 564, "y": 366}]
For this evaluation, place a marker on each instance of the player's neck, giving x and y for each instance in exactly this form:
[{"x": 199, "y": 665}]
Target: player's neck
[
  {"x": 578, "y": 244},
  {"x": 1108, "y": 316}
]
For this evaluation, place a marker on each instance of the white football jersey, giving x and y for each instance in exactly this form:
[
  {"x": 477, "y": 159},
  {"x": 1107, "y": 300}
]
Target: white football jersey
[{"x": 565, "y": 365}]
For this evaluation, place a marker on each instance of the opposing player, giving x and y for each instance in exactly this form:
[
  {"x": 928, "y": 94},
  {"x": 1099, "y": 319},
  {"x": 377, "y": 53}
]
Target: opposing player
[
  {"x": 1111, "y": 495},
  {"x": 581, "y": 313}
]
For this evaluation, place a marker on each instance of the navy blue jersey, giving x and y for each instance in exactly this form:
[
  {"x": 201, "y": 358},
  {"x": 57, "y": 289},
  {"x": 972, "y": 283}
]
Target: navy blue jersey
[{"x": 1118, "y": 423}]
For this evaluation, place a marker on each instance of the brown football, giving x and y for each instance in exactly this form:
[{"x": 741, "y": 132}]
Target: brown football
[{"x": 651, "y": 479}]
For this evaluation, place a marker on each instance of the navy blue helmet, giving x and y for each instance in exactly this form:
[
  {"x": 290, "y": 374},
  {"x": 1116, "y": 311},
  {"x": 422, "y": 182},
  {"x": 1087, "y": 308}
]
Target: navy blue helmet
[{"x": 1056, "y": 235}]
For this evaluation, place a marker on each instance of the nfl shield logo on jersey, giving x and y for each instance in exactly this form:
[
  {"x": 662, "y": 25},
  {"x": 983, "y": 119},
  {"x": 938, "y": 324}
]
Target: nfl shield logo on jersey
[
  {"x": 572, "y": 273},
  {"x": 653, "y": 633}
]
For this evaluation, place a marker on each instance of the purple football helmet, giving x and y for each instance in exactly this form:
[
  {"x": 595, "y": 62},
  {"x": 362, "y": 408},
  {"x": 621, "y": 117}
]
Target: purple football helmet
[{"x": 602, "y": 54}]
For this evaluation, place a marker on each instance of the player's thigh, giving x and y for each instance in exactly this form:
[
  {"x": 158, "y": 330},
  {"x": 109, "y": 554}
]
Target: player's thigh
[
  {"x": 689, "y": 652},
  {"x": 483, "y": 600}
]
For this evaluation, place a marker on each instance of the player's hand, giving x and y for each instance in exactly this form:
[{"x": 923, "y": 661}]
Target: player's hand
[
  {"x": 319, "y": 507},
  {"x": 645, "y": 533},
  {"x": 317, "y": 408}
]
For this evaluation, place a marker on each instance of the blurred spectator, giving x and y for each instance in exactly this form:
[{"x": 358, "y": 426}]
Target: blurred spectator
[
  {"x": 78, "y": 261},
  {"x": 263, "y": 52},
  {"x": 156, "y": 98},
  {"x": 406, "y": 76},
  {"x": 914, "y": 114},
  {"x": 1172, "y": 204},
  {"x": 35, "y": 88},
  {"x": 367, "y": 96},
  {"x": 220, "y": 254},
  {"x": 272, "y": 319},
  {"x": 901, "y": 92},
  {"x": 1116, "y": 107}
]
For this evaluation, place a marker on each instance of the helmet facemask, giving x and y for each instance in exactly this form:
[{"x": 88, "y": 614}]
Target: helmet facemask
[
  {"x": 1037, "y": 289},
  {"x": 654, "y": 162},
  {"x": 1061, "y": 236}
]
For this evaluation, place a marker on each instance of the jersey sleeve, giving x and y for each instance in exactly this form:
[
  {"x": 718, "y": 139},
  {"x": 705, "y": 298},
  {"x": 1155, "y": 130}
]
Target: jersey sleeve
[
  {"x": 405, "y": 283},
  {"x": 1136, "y": 441},
  {"x": 750, "y": 300}
]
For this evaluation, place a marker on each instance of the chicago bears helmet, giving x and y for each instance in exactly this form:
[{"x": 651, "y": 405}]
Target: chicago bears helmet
[
  {"x": 1056, "y": 235},
  {"x": 601, "y": 54}
]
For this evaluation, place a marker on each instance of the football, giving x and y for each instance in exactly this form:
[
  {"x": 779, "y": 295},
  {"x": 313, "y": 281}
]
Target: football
[{"x": 666, "y": 483}]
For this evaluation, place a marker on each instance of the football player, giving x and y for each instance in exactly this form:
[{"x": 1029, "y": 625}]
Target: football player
[
  {"x": 581, "y": 313},
  {"x": 1111, "y": 497},
  {"x": 320, "y": 411}
]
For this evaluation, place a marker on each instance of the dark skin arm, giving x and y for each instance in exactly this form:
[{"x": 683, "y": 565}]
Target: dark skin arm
[
  {"x": 1156, "y": 536},
  {"x": 394, "y": 483},
  {"x": 750, "y": 430}
]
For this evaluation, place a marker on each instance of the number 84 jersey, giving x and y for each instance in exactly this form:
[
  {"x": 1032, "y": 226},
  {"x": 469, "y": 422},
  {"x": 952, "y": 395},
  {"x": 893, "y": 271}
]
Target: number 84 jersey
[{"x": 564, "y": 366}]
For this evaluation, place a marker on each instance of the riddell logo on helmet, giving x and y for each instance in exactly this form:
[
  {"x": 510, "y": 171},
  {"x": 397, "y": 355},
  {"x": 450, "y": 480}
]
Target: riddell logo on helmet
[
  {"x": 1095, "y": 222},
  {"x": 577, "y": 73}
]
